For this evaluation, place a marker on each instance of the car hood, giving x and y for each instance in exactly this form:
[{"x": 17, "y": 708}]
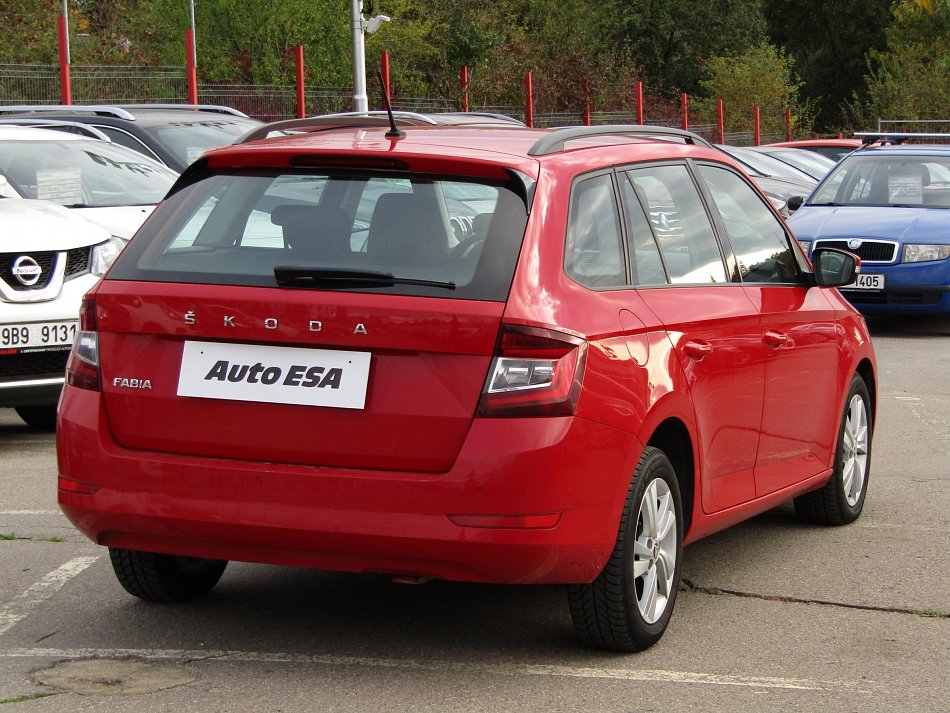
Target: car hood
[
  {"x": 928, "y": 225},
  {"x": 37, "y": 225},
  {"x": 121, "y": 221}
]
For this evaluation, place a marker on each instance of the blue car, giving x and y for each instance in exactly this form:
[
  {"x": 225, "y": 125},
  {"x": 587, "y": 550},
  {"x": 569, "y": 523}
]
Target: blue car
[{"x": 889, "y": 205}]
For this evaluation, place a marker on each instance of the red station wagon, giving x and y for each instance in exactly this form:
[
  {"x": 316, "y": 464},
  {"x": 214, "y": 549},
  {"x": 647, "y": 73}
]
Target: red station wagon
[{"x": 483, "y": 354}]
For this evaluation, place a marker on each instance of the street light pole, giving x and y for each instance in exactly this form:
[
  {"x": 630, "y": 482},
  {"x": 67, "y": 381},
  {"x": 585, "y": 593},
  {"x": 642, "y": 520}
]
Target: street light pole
[
  {"x": 360, "y": 100},
  {"x": 360, "y": 28}
]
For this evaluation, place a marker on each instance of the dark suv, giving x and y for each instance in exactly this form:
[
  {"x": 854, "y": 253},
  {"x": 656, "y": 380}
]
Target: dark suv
[
  {"x": 173, "y": 134},
  {"x": 489, "y": 354}
]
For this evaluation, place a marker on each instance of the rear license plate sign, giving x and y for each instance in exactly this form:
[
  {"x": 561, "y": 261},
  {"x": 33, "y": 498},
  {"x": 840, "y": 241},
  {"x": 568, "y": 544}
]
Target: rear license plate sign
[{"x": 282, "y": 375}]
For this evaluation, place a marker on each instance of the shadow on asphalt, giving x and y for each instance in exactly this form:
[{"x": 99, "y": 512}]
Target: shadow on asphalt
[{"x": 909, "y": 326}]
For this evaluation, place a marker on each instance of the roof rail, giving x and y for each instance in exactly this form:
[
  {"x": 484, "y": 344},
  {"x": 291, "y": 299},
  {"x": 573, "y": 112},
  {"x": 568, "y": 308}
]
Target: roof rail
[
  {"x": 117, "y": 112},
  {"x": 318, "y": 123},
  {"x": 36, "y": 123},
  {"x": 554, "y": 141},
  {"x": 895, "y": 137},
  {"x": 214, "y": 108},
  {"x": 98, "y": 109}
]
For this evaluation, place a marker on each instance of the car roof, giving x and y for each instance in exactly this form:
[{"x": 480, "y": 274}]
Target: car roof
[
  {"x": 843, "y": 143},
  {"x": 500, "y": 144},
  {"x": 29, "y": 133},
  {"x": 906, "y": 149}
]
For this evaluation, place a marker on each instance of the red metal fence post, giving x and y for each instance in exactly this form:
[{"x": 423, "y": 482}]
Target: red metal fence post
[
  {"x": 586, "y": 103},
  {"x": 684, "y": 99},
  {"x": 65, "y": 84},
  {"x": 301, "y": 95},
  {"x": 384, "y": 67},
  {"x": 720, "y": 119},
  {"x": 464, "y": 81},
  {"x": 529, "y": 100},
  {"x": 788, "y": 124},
  {"x": 192, "y": 71},
  {"x": 640, "y": 103},
  {"x": 757, "y": 129}
]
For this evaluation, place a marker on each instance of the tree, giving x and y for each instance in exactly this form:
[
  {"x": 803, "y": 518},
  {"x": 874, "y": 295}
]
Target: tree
[
  {"x": 911, "y": 79},
  {"x": 830, "y": 41},
  {"x": 670, "y": 41},
  {"x": 762, "y": 76}
]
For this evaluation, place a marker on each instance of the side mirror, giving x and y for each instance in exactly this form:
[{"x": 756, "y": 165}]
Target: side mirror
[
  {"x": 794, "y": 203},
  {"x": 835, "y": 268}
]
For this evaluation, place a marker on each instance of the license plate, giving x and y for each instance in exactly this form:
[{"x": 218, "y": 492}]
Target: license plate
[
  {"x": 866, "y": 282},
  {"x": 283, "y": 375},
  {"x": 38, "y": 335}
]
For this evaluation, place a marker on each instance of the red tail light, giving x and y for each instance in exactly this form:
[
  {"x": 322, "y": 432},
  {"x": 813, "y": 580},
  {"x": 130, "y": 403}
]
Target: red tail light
[
  {"x": 82, "y": 369},
  {"x": 535, "y": 372}
]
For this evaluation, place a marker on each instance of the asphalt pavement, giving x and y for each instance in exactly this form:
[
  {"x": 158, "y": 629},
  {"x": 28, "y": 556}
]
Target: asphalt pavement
[{"x": 773, "y": 615}]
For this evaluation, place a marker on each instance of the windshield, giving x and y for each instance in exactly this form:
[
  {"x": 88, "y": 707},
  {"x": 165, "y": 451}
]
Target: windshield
[
  {"x": 189, "y": 139},
  {"x": 767, "y": 165},
  {"x": 887, "y": 179},
  {"x": 83, "y": 172},
  {"x": 815, "y": 165}
]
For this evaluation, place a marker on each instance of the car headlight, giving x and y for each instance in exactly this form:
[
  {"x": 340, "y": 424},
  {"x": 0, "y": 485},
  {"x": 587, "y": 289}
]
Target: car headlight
[
  {"x": 925, "y": 253},
  {"x": 104, "y": 254}
]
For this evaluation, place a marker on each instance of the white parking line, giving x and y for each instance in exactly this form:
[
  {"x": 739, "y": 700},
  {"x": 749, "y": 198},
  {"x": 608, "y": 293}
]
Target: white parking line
[
  {"x": 648, "y": 675},
  {"x": 19, "y": 608},
  {"x": 31, "y": 512}
]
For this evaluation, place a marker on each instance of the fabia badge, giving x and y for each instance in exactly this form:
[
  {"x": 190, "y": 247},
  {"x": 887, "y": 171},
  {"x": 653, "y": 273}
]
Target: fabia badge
[
  {"x": 27, "y": 270},
  {"x": 854, "y": 243}
]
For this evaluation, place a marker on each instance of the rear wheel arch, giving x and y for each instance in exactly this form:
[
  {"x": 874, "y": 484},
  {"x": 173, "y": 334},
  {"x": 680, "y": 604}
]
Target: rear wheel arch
[{"x": 673, "y": 438}]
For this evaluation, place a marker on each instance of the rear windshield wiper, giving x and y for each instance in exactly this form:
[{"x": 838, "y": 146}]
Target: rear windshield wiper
[{"x": 293, "y": 276}]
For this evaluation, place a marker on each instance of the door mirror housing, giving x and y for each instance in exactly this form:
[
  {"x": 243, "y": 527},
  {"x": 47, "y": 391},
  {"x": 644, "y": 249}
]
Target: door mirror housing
[
  {"x": 835, "y": 268},
  {"x": 794, "y": 203}
]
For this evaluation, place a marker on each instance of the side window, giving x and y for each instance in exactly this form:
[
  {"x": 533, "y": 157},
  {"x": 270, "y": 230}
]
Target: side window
[
  {"x": 641, "y": 243},
  {"x": 593, "y": 253},
  {"x": 758, "y": 238},
  {"x": 687, "y": 242}
]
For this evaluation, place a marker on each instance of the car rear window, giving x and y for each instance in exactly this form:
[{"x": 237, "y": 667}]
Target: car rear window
[{"x": 445, "y": 236}]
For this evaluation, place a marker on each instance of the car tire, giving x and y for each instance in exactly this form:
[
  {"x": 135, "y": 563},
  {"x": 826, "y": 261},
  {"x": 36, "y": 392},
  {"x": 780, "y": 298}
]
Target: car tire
[
  {"x": 841, "y": 500},
  {"x": 39, "y": 418},
  {"x": 165, "y": 578},
  {"x": 628, "y": 606}
]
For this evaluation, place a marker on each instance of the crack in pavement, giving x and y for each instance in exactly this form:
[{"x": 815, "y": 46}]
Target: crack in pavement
[{"x": 690, "y": 586}]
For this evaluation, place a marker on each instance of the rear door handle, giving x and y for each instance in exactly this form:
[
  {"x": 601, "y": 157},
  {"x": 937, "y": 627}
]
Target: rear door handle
[
  {"x": 775, "y": 339},
  {"x": 697, "y": 350}
]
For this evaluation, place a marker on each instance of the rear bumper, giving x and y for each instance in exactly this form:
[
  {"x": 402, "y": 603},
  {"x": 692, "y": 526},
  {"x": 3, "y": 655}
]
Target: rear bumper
[{"x": 360, "y": 520}]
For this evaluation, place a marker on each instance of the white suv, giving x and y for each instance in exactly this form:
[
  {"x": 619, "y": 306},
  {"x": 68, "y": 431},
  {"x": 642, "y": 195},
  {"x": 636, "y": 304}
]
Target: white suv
[
  {"x": 49, "y": 258},
  {"x": 107, "y": 183}
]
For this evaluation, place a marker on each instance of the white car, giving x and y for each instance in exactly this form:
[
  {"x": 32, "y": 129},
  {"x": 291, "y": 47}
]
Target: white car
[
  {"x": 105, "y": 182},
  {"x": 49, "y": 258}
]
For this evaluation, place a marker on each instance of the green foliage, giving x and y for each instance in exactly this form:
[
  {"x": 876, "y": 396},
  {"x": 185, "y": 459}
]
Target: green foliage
[
  {"x": 911, "y": 80},
  {"x": 830, "y": 42},
  {"x": 763, "y": 76}
]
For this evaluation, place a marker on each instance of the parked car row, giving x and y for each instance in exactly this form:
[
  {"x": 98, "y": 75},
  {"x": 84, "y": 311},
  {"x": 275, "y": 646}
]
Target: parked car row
[{"x": 70, "y": 199}]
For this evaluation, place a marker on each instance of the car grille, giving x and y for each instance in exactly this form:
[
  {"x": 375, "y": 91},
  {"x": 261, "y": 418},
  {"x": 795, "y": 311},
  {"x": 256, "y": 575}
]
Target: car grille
[
  {"x": 77, "y": 263},
  {"x": 893, "y": 298},
  {"x": 33, "y": 365},
  {"x": 868, "y": 251}
]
